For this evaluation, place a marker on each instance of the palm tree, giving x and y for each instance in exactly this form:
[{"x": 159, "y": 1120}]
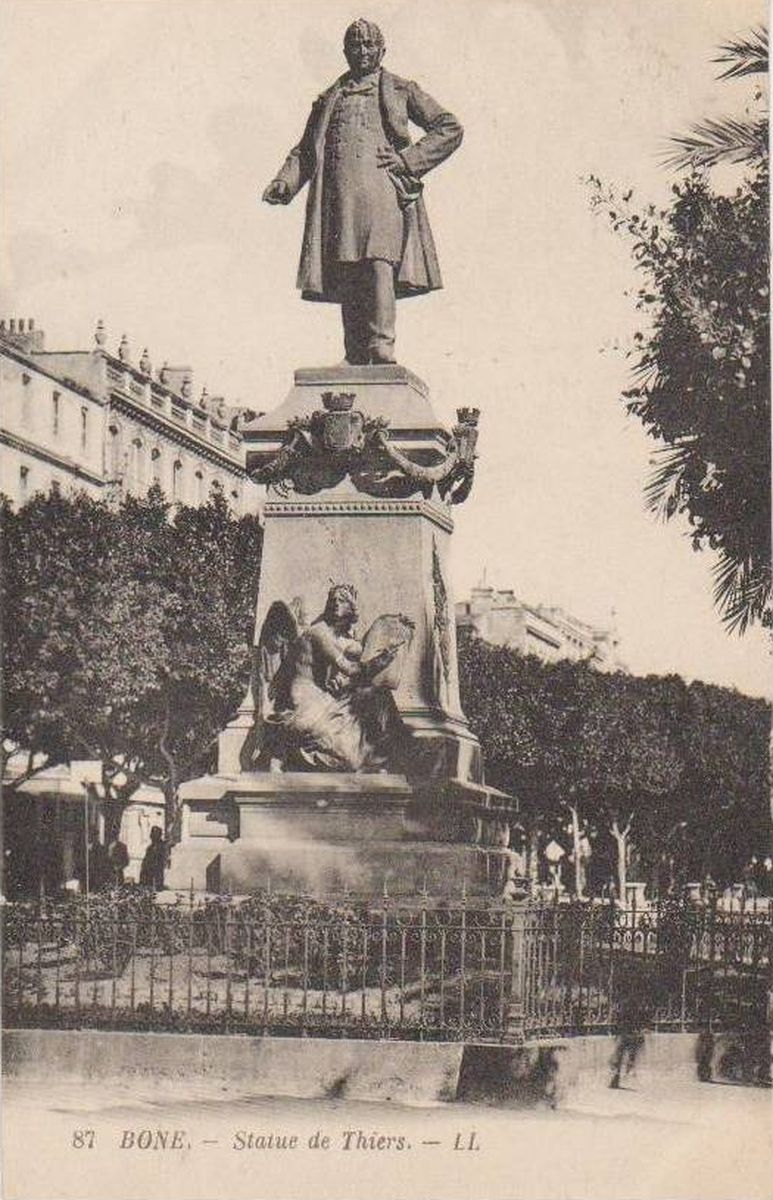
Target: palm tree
[
  {"x": 730, "y": 139},
  {"x": 743, "y": 572},
  {"x": 701, "y": 364}
]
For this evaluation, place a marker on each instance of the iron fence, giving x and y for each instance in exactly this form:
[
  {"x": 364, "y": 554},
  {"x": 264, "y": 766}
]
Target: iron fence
[
  {"x": 673, "y": 965},
  {"x": 293, "y": 965},
  {"x": 285, "y": 964}
]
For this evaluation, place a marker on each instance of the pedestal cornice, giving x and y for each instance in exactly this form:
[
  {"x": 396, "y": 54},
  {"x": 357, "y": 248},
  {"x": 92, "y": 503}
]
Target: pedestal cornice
[{"x": 365, "y": 506}]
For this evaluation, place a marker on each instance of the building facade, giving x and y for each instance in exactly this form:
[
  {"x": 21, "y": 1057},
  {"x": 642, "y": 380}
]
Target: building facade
[
  {"x": 95, "y": 421},
  {"x": 500, "y": 617},
  {"x": 52, "y": 820}
]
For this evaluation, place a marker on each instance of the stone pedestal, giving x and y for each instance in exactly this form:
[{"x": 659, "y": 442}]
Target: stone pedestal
[
  {"x": 335, "y": 515},
  {"x": 393, "y": 549},
  {"x": 325, "y": 832}
]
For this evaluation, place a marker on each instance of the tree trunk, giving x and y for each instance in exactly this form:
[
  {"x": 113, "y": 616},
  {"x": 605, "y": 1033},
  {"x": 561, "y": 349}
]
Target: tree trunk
[
  {"x": 172, "y": 815},
  {"x": 532, "y": 855},
  {"x": 30, "y": 771},
  {"x": 622, "y": 860},
  {"x": 579, "y": 872},
  {"x": 171, "y": 807},
  {"x": 110, "y": 806},
  {"x": 116, "y": 798},
  {"x": 621, "y": 841}
]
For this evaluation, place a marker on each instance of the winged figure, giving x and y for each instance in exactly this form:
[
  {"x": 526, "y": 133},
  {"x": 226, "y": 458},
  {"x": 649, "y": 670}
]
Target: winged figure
[{"x": 324, "y": 697}]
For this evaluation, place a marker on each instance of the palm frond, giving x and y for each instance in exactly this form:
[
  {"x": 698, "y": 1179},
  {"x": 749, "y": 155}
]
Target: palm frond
[
  {"x": 745, "y": 55},
  {"x": 713, "y": 141},
  {"x": 741, "y": 592},
  {"x": 662, "y": 490}
]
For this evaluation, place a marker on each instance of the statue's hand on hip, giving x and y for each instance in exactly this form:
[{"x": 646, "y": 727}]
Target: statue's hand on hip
[
  {"x": 387, "y": 156},
  {"x": 277, "y": 192}
]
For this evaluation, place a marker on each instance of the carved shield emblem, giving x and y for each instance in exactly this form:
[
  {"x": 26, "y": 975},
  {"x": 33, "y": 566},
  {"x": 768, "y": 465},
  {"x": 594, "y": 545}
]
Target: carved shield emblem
[{"x": 342, "y": 431}]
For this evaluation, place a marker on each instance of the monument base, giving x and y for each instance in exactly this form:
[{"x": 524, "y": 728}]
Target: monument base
[
  {"x": 361, "y": 480},
  {"x": 327, "y": 832}
]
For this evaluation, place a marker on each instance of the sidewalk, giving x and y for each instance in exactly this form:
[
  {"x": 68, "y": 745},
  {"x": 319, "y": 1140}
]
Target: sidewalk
[{"x": 674, "y": 1139}]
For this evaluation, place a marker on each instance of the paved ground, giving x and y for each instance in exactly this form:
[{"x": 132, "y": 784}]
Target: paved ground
[{"x": 673, "y": 1140}]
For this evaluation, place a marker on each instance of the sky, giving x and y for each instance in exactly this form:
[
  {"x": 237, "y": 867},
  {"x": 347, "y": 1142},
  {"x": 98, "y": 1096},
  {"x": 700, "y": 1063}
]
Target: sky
[{"x": 142, "y": 133}]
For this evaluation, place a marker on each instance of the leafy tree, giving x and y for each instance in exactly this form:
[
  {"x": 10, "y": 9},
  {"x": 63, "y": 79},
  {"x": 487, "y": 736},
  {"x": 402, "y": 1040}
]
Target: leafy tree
[
  {"x": 528, "y": 716},
  {"x": 631, "y": 761},
  {"x": 701, "y": 364},
  {"x": 726, "y": 788},
  {"x": 127, "y": 634},
  {"x": 631, "y": 747},
  {"x": 568, "y": 695}
]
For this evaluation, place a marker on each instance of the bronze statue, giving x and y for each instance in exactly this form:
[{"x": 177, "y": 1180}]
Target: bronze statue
[
  {"x": 324, "y": 696},
  {"x": 367, "y": 238}
]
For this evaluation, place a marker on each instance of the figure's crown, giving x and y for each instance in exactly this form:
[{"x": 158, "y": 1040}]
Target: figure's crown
[
  {"x": 344, "y": 589},
  {"x": 338, "y": 401}
]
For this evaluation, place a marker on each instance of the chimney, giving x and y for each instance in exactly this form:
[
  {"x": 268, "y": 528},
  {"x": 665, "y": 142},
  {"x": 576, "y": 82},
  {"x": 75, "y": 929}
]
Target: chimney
[{"x": 22, "y": 334}]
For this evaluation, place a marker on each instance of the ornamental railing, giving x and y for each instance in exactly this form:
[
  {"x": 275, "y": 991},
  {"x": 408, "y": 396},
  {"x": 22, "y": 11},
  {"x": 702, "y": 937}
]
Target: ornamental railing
[
  {"x": 269, "y": 963},
  {"x": 451, "y": 971},
  {"x": 673, "y": 965}
]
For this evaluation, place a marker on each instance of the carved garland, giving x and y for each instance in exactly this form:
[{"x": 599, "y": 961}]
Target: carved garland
[{"x": 322, "y": 449}]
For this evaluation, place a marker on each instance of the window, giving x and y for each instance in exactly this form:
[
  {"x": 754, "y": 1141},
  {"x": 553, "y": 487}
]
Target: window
[
  {"x": 199, "y": 487},
  {"x": 84, "y": 428},
  {"x": 155, "y": 465},
  {"x": 25, "y": 400},
  {"x": 177, "y": 480},
  {"x": 24, "y": 483},
  {"x": 55, "y": 414},
  {"x": 114, "y": 453},
  {"x": 137, "y": 471}
]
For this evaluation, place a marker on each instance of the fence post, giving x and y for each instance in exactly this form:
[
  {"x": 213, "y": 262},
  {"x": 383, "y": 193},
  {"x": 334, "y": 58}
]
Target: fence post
[
  {"x": 712, "y": 951},
  {"x": 515, "y": 1023}
]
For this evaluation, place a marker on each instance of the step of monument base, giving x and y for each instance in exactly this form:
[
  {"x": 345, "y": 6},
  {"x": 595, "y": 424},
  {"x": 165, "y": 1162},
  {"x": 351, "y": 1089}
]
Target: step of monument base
[
  {"x": 319, "y": 832},
  {"x": 361, "y": 869},
  {"x": 255, "y": 804}
]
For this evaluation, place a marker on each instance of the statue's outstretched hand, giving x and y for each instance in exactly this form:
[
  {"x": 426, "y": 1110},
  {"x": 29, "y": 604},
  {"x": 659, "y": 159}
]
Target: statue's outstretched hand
[{"x": 277, "y": 192}]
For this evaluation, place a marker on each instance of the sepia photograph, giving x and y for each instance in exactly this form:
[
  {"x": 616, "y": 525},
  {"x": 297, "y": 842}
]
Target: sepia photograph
[{"x": 386, "y": 687}]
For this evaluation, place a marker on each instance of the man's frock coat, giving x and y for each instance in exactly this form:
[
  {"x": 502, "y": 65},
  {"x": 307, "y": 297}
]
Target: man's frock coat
[{"x": 401, "y": 100}]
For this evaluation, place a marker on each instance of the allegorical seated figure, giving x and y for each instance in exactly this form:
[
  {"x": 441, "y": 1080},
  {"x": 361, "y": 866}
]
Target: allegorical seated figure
[{"x": 326, "y": 697}]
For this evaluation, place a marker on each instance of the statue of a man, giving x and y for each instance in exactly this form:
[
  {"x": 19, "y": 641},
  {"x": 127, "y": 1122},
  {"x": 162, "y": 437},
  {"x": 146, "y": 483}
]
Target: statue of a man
[{"x": 367, "y": 238}]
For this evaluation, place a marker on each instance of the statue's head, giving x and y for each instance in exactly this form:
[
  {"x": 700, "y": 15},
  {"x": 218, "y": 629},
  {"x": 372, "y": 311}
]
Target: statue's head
[
  {"x": 364, "y": 47},
  {"x": 341, "y": 605}
]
